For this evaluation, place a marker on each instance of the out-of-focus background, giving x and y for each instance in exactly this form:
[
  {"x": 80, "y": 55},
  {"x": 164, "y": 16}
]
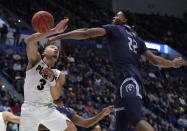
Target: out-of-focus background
[{"x": 89, "y": 86}]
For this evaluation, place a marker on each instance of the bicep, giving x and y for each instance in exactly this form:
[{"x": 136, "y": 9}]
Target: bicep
[
  {"x": 95, "y": 32},
  {"x": 61, "y": 80}
]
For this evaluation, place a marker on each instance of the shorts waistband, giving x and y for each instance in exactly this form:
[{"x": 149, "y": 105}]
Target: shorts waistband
[{"x": 38, "y": 104}]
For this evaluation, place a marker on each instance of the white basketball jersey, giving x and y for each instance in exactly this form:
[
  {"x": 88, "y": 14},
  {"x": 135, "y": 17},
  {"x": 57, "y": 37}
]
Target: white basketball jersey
[
  {"x": 2, "y": 123},
  {"x": 36, "y": 88}
]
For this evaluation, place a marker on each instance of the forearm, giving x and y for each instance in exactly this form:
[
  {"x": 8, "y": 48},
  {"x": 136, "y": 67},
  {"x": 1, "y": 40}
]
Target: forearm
[
  {"x": 40, "y": 36},
  {"x": 56, "y": 92},
  {"x": 93, "y": 120},
  {"x": 80, "y": 34},
  {"x": 162, "y": 62},
  {"x": 76, "y": 34}
]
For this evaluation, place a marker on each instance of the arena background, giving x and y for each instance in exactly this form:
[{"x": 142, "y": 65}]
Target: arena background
[{"x": 89, "y": 88}]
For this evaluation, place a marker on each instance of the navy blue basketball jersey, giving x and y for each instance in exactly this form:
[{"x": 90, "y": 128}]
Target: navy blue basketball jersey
[
  {"x": 65, "y": 110},
  {"x": 125, "y": 48}
]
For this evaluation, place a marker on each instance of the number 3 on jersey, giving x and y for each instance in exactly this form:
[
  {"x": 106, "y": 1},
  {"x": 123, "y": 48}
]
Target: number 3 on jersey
[
  {"x": 132, "y": 45},
  {"x": 42, "y": 84}
]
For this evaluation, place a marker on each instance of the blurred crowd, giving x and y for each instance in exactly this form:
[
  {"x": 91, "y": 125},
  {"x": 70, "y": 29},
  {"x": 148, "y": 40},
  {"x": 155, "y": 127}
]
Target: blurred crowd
[
  {"x": 89, "y": 85},
  {"x": 9, "y": 103},
  {"x": 83, "y": 14}
]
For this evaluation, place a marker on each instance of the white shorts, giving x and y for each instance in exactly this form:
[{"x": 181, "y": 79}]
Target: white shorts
[{"x": 32, "y": 116}]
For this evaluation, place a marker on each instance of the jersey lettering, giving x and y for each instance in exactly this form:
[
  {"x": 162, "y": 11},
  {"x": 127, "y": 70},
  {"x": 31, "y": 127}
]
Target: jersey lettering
[
  {"x": 40, "y": 68},
  {"x": 42, "y": 81},
  {"x": 132, "y": 45},
  {"x": 42, "y": 84}
]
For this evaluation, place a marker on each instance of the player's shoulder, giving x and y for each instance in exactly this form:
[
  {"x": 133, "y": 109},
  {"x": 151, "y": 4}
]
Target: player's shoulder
[
  {"x": 109, "y": 26},
  {"x": 72, "y": 111},
  {"x": 60, "y": 77}
]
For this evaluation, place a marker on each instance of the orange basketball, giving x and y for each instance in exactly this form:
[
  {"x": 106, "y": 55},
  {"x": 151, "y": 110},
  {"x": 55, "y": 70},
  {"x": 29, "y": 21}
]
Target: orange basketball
[{"x": 42, "y": 21}]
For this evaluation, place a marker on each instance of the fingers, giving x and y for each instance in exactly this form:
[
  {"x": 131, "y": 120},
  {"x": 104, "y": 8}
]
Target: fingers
[
  {"x": 50, "y": 42},
  {"x": 61, "y": 26},
  {"x": 111, "y": 108},
  {"x": 65, "y": 27},
  {"x": 179, "y": 62},
  {"x": 64, "y": 22}
]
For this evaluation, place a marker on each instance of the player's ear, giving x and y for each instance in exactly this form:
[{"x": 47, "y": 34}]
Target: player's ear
[
  {"x": 44, "y": 53},
  {"x": 124, "y": 20}
]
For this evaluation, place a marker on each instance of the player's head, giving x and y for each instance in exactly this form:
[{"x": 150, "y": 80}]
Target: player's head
[
  {"x": 97, "y": 128},
  {"x": 124, "y": 17},
  {"x": 50, "y": 52}
]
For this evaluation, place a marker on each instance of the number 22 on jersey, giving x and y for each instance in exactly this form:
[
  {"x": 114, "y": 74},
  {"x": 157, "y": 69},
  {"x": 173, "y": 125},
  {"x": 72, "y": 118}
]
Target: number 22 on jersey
[{"x": 132, "y": 45}]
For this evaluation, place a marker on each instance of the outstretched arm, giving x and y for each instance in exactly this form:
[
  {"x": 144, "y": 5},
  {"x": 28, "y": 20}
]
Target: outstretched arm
[
  {"x": 32, "y": 42},
  {"x": 79, "y": 34},
  {"x": 86, "y": 123},
  {"x": 162, "y": 62},
  {"x": 9, "y": 117}
]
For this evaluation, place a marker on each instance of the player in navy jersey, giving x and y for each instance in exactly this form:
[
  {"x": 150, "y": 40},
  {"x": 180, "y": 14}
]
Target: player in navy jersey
[
  {"x": 77, "y": 119},
  {"x": 125, "y": 48}
]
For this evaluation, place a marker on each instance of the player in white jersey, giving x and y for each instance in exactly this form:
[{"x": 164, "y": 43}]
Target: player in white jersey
[
  {"x": 6, "y": 117},
  {"x": 43, "y": 85}
]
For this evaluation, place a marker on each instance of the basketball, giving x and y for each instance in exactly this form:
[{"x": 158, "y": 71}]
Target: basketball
[{"x": 42, "y": 21}]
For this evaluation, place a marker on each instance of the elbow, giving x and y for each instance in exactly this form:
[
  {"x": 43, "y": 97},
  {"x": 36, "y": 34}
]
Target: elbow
[
  {"x": 87, "y": 126},
  {"x": 56, "y": 97}
]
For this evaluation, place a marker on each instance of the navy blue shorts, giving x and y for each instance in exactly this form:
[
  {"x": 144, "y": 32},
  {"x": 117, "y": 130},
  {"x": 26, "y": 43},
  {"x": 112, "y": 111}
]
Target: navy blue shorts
[{"x": 129, "y": 97}]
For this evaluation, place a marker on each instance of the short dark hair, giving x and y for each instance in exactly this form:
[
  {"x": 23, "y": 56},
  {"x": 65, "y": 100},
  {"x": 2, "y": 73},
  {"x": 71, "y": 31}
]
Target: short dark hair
[
  {"x": 41, "y": 48},
  {"x": 131, "y": 18}
]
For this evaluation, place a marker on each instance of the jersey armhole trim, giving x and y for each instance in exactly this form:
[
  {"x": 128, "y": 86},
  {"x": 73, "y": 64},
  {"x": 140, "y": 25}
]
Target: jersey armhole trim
[{"x": 33, "y": 66}]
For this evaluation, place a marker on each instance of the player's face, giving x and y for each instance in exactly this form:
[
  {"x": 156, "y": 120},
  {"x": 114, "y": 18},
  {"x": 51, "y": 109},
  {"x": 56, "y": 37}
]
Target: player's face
[
  {"x": 97, "y": 128},
  {"x": 119, "y": 19},
  {"x": 52, "y": 51}
]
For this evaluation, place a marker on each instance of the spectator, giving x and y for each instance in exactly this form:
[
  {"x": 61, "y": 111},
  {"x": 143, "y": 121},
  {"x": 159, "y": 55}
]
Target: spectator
[
  {"x": 4, "y": 31},
  {"x": 17, "y": 66},
  {"x": 22, "y": 42},
  {"x": 182, "y": 121},
  {"x": 97, "y": 128},
  {"x": 7, "y": 106},
  {"x": 89, "y": 107},
  {"x": 16, "y": 108},
  {"x": 16, "y": 34}
]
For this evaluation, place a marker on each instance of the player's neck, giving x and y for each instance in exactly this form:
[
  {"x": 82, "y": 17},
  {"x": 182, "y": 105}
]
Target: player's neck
[{"x": 48, "y": 62}]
